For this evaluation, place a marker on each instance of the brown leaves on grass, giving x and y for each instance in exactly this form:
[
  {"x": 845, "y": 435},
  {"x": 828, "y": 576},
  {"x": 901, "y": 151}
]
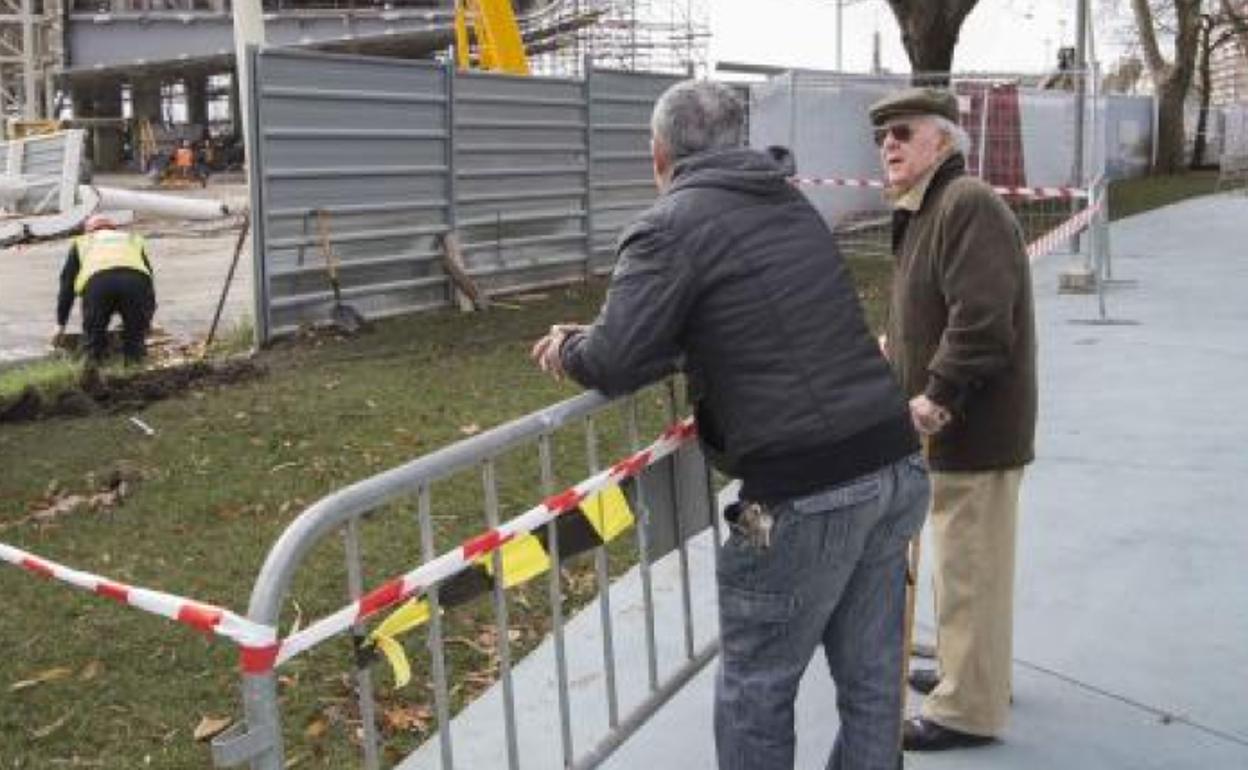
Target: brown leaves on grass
[
  {"x": 107, "y": 491},
  {"x": 43, "y": 677},
  {"x": 209, "y": 727},
  {"x": 40, "y": 733},
  {"x": 407, "y": 719},
  {"x": 90, "y": 671}
]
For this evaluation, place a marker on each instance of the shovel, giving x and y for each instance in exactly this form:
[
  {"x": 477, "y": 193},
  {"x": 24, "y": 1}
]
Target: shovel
[{"x": 343, "y": 317}]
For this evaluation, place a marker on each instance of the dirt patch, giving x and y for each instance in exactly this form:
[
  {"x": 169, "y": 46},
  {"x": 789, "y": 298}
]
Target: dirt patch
[{"x": 112, "y": 393}]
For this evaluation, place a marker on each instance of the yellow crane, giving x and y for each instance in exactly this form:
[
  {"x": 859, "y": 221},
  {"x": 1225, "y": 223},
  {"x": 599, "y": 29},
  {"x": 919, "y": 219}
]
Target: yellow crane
[{"x": 499, "y": 45}]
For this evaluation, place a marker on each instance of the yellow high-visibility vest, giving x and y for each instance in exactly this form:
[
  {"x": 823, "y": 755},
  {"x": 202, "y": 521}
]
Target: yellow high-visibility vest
[{"x": 105, "y": 250}]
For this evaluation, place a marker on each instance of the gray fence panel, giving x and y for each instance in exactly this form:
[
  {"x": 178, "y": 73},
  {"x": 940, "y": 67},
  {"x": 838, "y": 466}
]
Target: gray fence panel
[
  {"x": 48, "y": 167},
  {"x": 520, "y": 165},
  {"x": 622, "y": 183},
  {"x": 365, "y": 140},
  {"x": 1128, "y": 136},
  {"x": 398, "y": 153},
  {"x": 673, "y": 490}
]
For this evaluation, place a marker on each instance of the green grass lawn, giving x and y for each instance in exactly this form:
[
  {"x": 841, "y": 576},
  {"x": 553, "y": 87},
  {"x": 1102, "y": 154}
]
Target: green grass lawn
[
  {"x": 1134, "y": 196},
  {"x": 88, "y": 683},
  {"x": 209, "y": 493}
]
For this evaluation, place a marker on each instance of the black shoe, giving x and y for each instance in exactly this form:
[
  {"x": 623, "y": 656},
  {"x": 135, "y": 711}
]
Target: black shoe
[
  {"x": 921, "y": 734},
  {"x": 924, "y": 680}
]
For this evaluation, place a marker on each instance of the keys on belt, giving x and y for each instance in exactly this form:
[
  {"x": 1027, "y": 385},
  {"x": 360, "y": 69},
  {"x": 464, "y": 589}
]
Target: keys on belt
[{"x": 753, "y": 521}]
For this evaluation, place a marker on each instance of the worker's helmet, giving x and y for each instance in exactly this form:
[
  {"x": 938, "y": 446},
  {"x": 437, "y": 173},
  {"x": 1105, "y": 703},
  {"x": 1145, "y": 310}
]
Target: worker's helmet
[{"x": 98, "y": 222}]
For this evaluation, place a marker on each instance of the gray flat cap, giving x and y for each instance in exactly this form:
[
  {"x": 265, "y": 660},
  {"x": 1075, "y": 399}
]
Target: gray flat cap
[{"x": 914, "y": 101}]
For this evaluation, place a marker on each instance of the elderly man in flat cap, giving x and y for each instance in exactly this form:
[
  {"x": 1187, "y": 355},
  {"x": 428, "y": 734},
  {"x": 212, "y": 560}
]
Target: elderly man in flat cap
[{"x": 961, "y": 338}]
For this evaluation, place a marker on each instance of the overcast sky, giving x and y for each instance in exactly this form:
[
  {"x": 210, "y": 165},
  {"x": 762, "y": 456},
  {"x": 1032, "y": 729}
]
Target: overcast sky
[{"x": 998, "y": 36}]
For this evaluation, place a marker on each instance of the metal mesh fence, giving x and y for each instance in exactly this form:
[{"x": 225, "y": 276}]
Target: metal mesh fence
[
  {"x": 1233, "y": 155},
  {"x": 1041, "y": 144}
]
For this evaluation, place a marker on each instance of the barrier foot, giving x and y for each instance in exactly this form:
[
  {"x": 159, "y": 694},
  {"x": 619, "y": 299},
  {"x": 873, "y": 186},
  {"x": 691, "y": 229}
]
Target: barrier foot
[{"x": 237, "y": 745}]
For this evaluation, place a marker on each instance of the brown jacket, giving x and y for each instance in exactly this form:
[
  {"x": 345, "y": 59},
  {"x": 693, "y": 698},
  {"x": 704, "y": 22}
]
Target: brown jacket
[{"x": 961, "y": 326}]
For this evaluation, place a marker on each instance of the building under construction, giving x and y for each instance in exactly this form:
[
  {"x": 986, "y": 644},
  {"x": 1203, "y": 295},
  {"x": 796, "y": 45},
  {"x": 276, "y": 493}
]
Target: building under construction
[{"x": 142, "y": 75}]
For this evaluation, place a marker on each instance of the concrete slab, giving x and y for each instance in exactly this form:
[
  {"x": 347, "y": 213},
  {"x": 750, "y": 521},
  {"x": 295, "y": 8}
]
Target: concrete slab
[
  {"x": 1131, "y": 646},
  {"x": 190, "y": 261}
]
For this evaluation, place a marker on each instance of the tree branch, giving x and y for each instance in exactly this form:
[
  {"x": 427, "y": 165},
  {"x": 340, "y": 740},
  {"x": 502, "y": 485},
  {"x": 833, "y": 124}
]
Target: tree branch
[
  {"x": 1148, "y": 39},
  {"x": 1238, "y": 23}
]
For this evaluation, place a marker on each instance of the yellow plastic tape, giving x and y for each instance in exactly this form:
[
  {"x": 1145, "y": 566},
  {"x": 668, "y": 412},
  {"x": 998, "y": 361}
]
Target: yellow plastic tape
[
  {"x": 608, "y": 512},
  {"x": 523, "y": 559},
  {"x": 412, "y": 614}
]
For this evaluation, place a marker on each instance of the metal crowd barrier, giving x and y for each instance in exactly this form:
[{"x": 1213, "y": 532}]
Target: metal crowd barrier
[{"x": 672, "y": 500}]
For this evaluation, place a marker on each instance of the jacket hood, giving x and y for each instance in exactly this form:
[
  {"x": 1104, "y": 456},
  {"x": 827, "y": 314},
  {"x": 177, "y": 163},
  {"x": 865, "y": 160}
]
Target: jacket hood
[{"x": 744, "y": 170}]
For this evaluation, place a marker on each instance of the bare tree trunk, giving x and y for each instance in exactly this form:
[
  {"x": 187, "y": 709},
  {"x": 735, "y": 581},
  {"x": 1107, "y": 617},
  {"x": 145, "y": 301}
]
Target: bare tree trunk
[
  {"x": 929, "y": 33},
  {"x": 1171, "y": 80},
  {"x": 1206, "y": 85}
]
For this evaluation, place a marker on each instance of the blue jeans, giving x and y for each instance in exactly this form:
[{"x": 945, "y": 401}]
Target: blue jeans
[{"x": 835, "y": 574}]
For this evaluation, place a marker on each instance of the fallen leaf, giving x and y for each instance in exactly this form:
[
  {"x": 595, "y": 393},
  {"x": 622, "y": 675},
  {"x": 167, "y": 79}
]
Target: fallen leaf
[
  {"x": 298, "y": 621},
  {"x": 316, "y": 728},
  {"x": 50, "y": 675},
  {"x": 44, "y": 732},
  {"x": 91, "y": 671},
  {"x": 209, "y": 727},
  {"x": 408, "y": 718}
]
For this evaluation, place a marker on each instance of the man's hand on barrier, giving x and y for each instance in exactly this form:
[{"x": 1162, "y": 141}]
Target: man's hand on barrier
[{"x": 545, "y": 352}]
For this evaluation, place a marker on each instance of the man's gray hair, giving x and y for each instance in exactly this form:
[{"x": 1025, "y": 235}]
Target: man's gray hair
[
  {"x": 957, "y": 135},
  {"x": 698, "y": 115}
]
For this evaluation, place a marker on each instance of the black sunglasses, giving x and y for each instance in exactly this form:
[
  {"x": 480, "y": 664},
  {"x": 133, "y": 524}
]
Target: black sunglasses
[{"x": 900, "y": 131}]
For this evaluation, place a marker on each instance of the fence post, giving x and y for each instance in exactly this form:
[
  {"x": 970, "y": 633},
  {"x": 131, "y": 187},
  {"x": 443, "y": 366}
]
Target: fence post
[
  {"x": 452, "y": 184},
  {"x": 588, "y": 90},
  {"x": 555, "y": 587},
  {"x": 363, "y": 674},
  {"x": 260, "y": 278}
]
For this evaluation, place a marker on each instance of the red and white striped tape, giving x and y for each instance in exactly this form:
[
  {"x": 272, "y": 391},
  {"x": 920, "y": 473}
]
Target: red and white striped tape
[
  {"x": 453, "y": 562},
  {"x": 1048, "y": 242},
  {"x": 260, "y": 650},
  {"x": 256, "y": 641},
  {"x": 810, "y": 181},
  {"x": 1066, "y": 193}
]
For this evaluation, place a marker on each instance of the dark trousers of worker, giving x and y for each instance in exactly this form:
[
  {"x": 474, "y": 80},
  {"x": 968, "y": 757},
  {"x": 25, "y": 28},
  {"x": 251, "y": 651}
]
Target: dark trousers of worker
[
  {"x": 833, "y": 575},
  {"x": 123, "y": 291}
]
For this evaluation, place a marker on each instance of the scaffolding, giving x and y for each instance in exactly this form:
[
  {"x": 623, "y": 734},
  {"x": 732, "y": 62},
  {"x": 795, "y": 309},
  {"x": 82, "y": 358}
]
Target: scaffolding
[
  {"x": 32, "y": 45},
  {"x": 634, "y": 35}
]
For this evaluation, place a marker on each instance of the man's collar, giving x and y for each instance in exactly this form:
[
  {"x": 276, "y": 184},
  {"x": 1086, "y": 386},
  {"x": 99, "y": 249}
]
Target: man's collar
[{"x": 912, "y": 198}]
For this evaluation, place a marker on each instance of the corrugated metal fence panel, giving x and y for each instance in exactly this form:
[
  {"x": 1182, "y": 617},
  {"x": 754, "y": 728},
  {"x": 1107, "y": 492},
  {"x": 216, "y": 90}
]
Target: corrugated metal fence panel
[
  {"x": 399, "y": 152},
  {"x": 366, "y": 141},
  {"x": 520, "y": 165},
  {"x": 622, "y": 178},
  {"x": 48, "y": 164}
]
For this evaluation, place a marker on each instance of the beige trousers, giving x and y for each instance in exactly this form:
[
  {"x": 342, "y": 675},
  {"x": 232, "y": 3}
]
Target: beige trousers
[{"x": 974, "y": 518}]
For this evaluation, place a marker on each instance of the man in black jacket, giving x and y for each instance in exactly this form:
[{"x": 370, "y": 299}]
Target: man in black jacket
[{"x": 734, "y": 273}]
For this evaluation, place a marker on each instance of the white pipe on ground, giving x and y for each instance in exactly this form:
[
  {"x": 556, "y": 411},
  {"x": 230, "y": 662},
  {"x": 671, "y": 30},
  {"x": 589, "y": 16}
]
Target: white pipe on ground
[{"x": 164, "y": 205}]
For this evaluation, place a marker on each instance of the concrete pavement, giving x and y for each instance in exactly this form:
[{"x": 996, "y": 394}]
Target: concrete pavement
[
  {"x": 190, "y": 261},
  {"x": 1131, "y": 646}
]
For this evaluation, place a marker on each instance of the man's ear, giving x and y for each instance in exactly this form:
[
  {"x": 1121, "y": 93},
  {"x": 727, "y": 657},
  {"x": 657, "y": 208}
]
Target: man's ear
[{"x": 662, "y": 161}]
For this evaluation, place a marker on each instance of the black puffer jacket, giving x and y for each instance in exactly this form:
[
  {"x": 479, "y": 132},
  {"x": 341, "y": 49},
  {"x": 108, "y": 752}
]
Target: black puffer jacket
[{"x": 733, "y": 270}]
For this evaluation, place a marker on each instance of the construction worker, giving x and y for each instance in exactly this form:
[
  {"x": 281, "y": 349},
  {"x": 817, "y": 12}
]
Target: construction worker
[
  {"x": 110, "y": 270},
  {"x": 184, "y": 160}
]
